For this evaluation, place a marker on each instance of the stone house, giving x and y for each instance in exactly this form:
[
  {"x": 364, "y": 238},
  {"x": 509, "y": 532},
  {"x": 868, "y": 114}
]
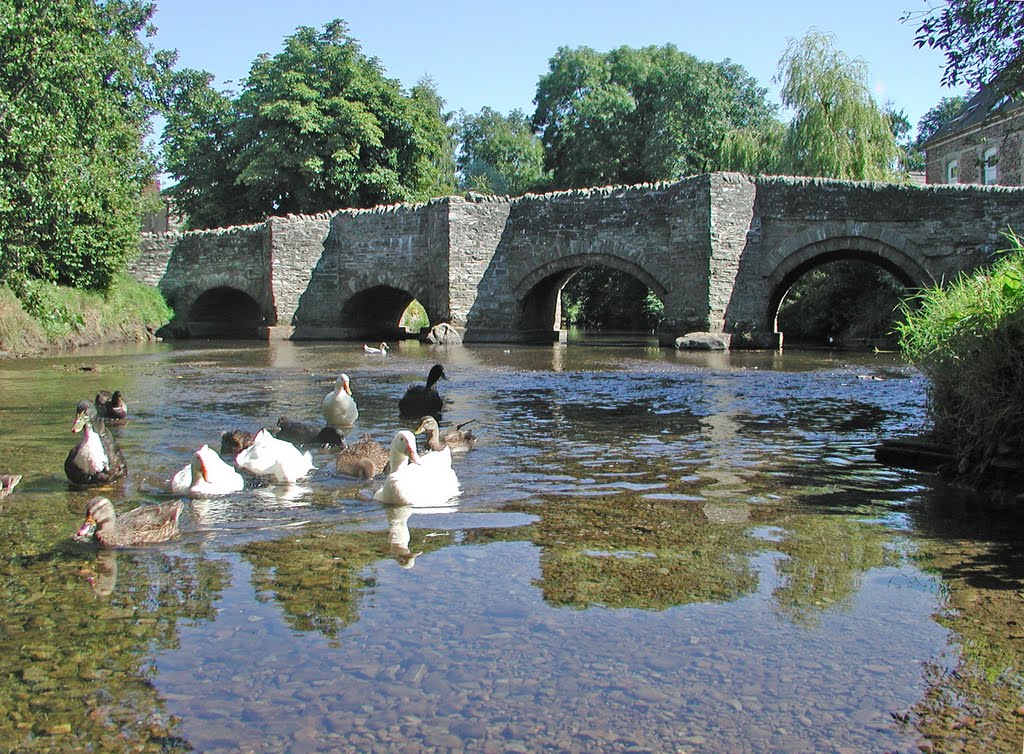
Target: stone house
[{"x": 982, "y": 145}]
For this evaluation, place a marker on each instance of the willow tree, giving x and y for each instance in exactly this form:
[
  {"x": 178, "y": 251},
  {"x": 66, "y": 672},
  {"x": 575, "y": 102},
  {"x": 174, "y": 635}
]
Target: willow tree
[{"x": 837, "y": 129}]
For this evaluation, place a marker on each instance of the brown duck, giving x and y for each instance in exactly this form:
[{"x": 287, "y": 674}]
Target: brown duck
[
  {"x": 364, "y": 458},
  {"x": 145, "y": 524},
  {"x": 456, "y": 438}
]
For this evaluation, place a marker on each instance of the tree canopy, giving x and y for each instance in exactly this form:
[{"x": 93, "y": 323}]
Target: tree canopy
[
  {"x": 837, "y": 129},
  {"x": 500, "y": 154},
  {"x": 316, "y": 127},
  {"x": 981, "y": 39},
  {"x": 77, "y": 86},
  {"x": 635, "y": 115},
  {"x": 947, "y": 109}
]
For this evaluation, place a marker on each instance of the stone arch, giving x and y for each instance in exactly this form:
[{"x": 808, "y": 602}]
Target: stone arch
[
  {"x": 537, "y": 292},
  {"x": 226, "y": 311},
  {"x": 375, "y": 312},
  {"x": 833, "y": 242}
]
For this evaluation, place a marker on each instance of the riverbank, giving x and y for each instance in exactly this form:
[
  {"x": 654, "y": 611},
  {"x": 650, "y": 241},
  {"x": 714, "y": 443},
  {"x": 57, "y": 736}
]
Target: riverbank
[{"x": 49, "y": 317}]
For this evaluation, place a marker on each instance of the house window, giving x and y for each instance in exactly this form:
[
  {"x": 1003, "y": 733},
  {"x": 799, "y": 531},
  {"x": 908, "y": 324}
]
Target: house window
[
  {"x": 991, "y": 166},
  {"x": 953, "y": 171}
]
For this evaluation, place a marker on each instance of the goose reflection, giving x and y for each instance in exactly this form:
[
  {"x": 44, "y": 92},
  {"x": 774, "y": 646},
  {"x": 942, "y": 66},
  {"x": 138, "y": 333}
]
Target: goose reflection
[{"x": 398, "y": 535}]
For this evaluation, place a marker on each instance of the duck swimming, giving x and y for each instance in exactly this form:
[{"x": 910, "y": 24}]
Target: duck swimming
[
  {"x": 206, "y": 475},
  {"x": 273, "y": 457},
  {"x": 111, "y": 406},
  {"x": 234, "y": 442},
  {"x": 420, "y": 400},
  {"x": 147, "y": 523},
  {"x": 96, "y": 459},
  {"x": 364, "y": 458},
  {"x": 426, "y": 481},
  {"x": 300, "y": 433},
  {"x": 456, "y": 438},
  {"x": 382, "y": 348},
  {"x": 339, "y": 407}
]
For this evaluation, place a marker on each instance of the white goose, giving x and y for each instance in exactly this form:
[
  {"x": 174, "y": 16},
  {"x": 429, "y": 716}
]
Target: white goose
[
  {"x": 277, "y": 458},
  {"x": 339, "y": 407},
  {"x": 426, "y": 481},
  {"x": 206, "y": 475},
  {"x": 382, "y": 348}
]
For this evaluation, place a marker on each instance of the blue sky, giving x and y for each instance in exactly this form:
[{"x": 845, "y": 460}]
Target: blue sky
[{"x": 491, "y": 54}]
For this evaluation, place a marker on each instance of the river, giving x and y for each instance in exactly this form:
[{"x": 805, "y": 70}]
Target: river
[{"x": 654, "y": 551}]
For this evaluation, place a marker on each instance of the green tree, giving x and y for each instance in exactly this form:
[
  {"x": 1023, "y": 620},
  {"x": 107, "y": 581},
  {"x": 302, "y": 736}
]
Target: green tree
[
  {"x": 947, "y": 109},
  {"x": 911, "y": 157},
  {"x": 837, "y": 129},
  {"x": 437, "y": 133},
  {"x": 635, "y": 115},
  {"x": 316, "y": 127},
  {"x": 500, "y": 154},
  {"x": 77, "y": 87},
  {"x": 199, "y": 149},
  {"x": 981, "y": 39}
]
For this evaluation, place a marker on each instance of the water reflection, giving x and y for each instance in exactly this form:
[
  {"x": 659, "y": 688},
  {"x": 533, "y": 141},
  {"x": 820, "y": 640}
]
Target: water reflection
[
  {"x": 739, "y": 574},
  {"x": 78, "y": 671},
  {"x": 399, "y": 536}
]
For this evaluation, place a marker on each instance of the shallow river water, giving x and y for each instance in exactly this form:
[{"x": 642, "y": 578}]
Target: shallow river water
[{"x": 653, "y": 552}]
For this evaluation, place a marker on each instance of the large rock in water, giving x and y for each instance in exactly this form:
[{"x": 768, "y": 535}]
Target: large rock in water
[
  {"x": 444, "y": 335},
  {"x": 704, "y": 341}
]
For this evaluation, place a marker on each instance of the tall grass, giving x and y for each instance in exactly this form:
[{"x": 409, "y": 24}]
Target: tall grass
[{"x": 968, "y": 339}]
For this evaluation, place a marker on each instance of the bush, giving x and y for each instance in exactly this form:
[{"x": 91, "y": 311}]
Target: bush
[{"x": 968, "y": 339}]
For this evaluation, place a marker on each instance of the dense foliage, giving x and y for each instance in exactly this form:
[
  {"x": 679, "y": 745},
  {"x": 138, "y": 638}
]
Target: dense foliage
[
  {"x": 500, "y": 154},
  {"x": 636, "y": 115},
  {"x": 316, "y": 127},
  {"x": 837, "y": 130},
  {"x": 981, "y": 39},
  {"x": 938, "y": 116},
  {"x": 968, "y": 338},
  {"x": 76, "y": 89},
  {"x": 844, "y": 303},
  {"x": 600, "y": 298}
]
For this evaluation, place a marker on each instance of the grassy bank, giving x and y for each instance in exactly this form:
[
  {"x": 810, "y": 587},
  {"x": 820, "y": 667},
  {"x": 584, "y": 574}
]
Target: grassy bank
[
  {"x": 968, "y": 339},
  {"x": 45, "y": 316}
]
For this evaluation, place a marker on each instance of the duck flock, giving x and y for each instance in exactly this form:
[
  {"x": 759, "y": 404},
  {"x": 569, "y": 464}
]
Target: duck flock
[{"x": 276, "y": 454}]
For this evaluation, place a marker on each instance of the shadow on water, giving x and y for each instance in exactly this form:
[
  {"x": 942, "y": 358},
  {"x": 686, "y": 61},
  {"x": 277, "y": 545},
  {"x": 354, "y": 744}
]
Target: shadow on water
[{"x": 653, "y": 551}]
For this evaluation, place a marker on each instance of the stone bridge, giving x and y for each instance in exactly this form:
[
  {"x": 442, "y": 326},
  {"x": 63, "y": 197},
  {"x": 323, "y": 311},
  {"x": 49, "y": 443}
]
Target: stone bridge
[{"x": 719, "y": 250}]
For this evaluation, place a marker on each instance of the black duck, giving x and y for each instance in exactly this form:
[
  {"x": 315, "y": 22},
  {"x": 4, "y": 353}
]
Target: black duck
[
  {"x": 420, "y": 400},
  {"x": 300, "y": 433}
]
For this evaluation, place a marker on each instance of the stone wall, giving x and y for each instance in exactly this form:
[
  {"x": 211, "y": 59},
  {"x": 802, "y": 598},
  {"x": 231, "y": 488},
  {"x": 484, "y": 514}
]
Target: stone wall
[
  {"x": 398, "y": 248},
  {"x": 720, "y": 251},
  {"x": 237, "y": 258}
]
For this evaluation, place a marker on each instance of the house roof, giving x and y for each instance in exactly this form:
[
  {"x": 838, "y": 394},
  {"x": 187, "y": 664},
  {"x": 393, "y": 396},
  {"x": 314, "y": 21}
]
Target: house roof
[{"x": 991, "y": 101}]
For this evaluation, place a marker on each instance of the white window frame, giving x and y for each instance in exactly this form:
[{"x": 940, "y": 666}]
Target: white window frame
[{"x": 991, "y": 167}]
